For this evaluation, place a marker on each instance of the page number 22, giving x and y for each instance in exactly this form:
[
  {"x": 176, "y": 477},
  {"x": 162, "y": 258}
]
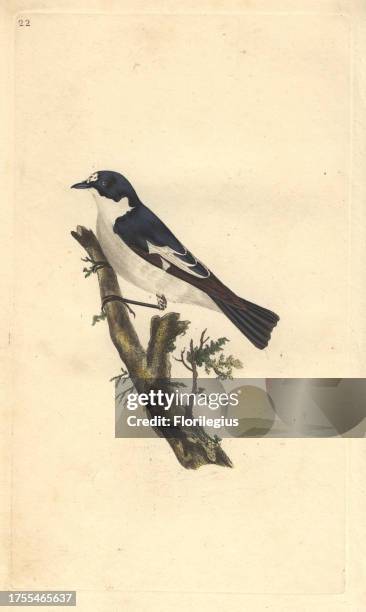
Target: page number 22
[{"x": 23, "y": 22}]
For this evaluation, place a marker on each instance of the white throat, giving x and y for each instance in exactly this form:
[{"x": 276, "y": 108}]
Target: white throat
[{"x": 109, "y": 209}]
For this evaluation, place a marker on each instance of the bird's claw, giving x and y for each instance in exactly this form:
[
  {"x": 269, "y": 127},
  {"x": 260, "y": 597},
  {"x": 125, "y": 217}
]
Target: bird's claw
[
  {"x": 130, "y": 310},
  {"x": 162, "y": 303},
  {"x": 117, "y": 298}
]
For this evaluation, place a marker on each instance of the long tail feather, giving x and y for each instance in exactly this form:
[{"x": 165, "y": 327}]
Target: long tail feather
[{"x": 255, "y": 322}]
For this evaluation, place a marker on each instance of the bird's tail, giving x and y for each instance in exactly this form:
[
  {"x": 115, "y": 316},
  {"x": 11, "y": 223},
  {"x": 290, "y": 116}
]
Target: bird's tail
[{"x": 255, "y": 322}]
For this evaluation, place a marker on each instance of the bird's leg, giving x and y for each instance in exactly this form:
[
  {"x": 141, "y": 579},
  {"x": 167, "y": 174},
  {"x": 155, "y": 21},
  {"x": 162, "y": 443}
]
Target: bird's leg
[
  {"x": 95, "y": 266},
  {"x": 161, "y": 305},
  {"x": 117, "y": 298}
]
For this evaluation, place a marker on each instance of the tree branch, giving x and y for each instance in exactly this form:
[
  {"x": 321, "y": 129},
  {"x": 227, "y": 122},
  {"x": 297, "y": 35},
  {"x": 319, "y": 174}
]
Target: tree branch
[
  {"x": 192, "y": 448},
  {"x": 193, "y": 363},
  {"x": 163, "y": 332},
  {"x": 197, "y": 448},
  {"x": 122, "y": 332}
]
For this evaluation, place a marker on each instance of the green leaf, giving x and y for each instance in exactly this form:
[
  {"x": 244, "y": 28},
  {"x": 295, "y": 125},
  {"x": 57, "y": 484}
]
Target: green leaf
[
  {"x": 100, "y": 317},
  {"x": 211, "y": 357}
]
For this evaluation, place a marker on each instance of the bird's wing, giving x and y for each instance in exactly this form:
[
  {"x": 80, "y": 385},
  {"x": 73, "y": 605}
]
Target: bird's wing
[
  {"x": 152, "y": 240},
  {"x": 183, "y": 260}
]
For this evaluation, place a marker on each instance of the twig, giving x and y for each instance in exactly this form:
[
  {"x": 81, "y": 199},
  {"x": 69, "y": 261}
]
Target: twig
[{"x": 183, "y": 361}]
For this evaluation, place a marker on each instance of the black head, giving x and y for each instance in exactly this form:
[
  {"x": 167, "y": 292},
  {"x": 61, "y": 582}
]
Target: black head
[{"x": 110, "y": 185}]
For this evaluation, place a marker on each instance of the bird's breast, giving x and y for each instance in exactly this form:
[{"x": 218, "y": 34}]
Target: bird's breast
[
  {"x": 110, "y": 210},
  {"x": 120, "y": 256}
]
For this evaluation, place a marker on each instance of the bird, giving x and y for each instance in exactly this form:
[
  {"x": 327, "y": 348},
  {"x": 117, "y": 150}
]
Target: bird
[{"x": 145, "y": 252}]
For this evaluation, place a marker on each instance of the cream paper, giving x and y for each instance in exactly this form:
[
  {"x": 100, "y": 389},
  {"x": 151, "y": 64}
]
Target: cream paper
[{"x": 240, "y": 124}]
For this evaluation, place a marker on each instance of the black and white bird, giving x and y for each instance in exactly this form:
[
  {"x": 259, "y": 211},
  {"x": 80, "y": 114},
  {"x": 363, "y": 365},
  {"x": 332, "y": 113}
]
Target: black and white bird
[{"x": 143, "y": 251}]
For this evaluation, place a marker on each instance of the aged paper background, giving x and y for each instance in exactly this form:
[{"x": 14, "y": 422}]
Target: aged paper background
[{"x": 239, "y": 124}]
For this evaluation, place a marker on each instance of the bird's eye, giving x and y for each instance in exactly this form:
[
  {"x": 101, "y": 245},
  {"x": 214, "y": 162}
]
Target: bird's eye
[{"x": 104, "y": 183}]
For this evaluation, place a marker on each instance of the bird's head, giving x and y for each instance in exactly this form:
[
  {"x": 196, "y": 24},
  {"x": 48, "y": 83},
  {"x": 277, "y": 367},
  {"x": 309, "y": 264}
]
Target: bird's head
[{"x": 110, "y": 185}]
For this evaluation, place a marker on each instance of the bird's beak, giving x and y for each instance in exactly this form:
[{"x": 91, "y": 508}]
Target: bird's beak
[{"x": 83, "y": 185}]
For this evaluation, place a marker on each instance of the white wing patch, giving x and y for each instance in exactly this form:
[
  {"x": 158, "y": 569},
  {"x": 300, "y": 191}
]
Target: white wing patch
[{"x": 169, "y": 256}]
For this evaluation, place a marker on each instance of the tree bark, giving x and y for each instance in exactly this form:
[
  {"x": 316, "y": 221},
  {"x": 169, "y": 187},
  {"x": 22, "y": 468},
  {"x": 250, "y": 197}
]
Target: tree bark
[{"x": 151, "y": 367}]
